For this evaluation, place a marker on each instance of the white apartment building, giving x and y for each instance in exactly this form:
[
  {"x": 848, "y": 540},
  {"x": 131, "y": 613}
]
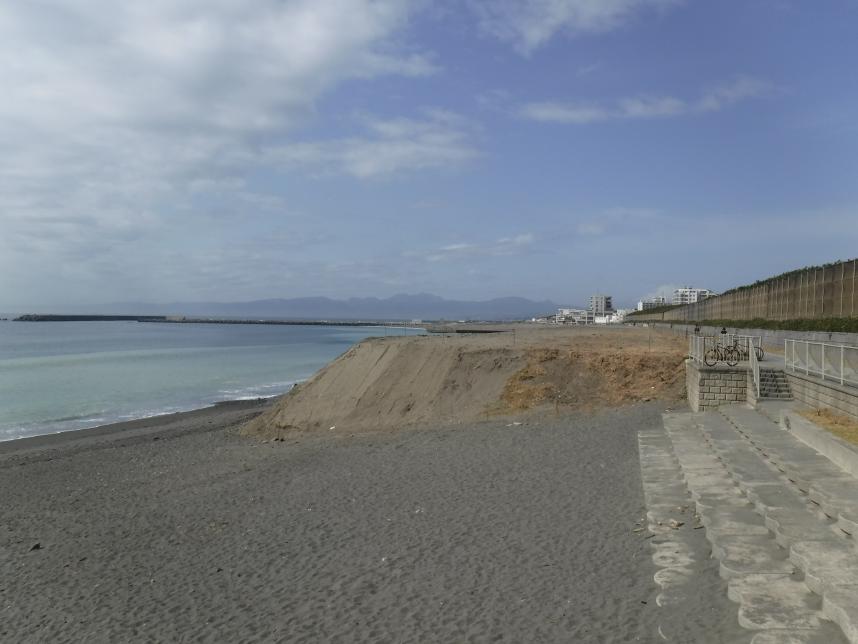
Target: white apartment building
[
  {"x": 651, "y": 303},
  {"x": 601, "y": 305},
  {"x": 690, "y": 295}
]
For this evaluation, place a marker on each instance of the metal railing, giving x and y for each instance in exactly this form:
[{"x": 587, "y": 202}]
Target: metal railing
[
  {"x": 837, "y": 362},
  {"x": 697, "y": 347},
  {"x": 699, "y": 344},
  {"x": 745, "y": 343},
  {"x": 755, "y": 368}
]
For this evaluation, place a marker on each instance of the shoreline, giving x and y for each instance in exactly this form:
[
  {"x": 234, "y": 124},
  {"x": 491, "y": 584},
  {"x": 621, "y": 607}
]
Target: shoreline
[
  {"x": 121, "y": 424},
  {"x": 216, "y": 414}
]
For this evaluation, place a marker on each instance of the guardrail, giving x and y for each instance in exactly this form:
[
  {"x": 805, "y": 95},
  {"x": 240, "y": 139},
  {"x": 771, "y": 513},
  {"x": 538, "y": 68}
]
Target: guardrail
[
  {"x": 837, "y": 362},
  {"x": 755, "y": 368},
  {"x": 745, "y": 340},
  {"x": 697, "y": 347}
]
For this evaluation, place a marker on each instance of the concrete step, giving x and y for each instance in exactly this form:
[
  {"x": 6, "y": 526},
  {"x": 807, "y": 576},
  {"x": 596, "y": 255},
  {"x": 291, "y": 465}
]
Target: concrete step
[
  {"x": 810, "y": 516},
  {"x": 719, "y": 467}
]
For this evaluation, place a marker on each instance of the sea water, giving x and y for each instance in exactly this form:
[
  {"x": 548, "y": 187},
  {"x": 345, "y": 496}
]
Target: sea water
[{"x": 59, "y": 376}]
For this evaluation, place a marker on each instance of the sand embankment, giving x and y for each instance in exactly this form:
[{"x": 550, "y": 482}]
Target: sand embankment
[{"x": 389, "y": 383}]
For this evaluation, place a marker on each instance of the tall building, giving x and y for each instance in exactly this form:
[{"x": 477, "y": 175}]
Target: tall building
[
  {"x": 601, "y": 304},
  {"x": 690, "y": 295},
  {"x": 651, "y": 303}
]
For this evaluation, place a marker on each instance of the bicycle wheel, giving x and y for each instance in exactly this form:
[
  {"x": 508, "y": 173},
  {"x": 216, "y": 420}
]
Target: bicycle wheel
[
  {"x": 710, "y": 358},
  {"x": 731, "y": 356},
  {"x": 760, "y": 353}
]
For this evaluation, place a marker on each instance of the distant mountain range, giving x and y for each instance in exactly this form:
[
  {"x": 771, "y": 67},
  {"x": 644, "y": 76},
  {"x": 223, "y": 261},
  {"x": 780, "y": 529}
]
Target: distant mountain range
[{"x": 422, "y": 306}]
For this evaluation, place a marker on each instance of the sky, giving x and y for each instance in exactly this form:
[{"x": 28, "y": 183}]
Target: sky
[{"x": 231, "y": 150}]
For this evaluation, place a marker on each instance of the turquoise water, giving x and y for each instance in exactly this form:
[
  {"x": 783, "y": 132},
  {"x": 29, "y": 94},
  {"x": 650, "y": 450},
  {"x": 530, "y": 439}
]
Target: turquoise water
[{"x": 58, "y": 376}]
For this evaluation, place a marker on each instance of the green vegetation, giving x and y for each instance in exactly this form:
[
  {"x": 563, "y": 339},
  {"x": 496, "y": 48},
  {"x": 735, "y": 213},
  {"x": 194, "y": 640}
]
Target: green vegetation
[
  {"x": 655, "y": 309},
  {"x": 787, "y": 274},
  {"x": 830, "y": 325}
]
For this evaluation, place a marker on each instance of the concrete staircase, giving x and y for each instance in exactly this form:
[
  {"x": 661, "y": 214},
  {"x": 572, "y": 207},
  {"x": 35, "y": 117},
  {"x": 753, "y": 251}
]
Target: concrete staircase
[
  {"x": 779, "y": 517},
  {"x": 774, "y": 385}
]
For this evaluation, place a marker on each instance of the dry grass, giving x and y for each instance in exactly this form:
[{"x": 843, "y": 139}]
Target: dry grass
[
  {"x": 840, "y": 426},
  {"x": 593, "y": 378}
]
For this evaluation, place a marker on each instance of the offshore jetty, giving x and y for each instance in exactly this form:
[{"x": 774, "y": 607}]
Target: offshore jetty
[{"x": 168, "y": 319}]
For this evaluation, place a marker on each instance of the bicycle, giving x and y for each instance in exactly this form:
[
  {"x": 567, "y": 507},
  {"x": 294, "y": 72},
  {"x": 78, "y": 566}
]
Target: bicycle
[{"x": 719, "y": 353}]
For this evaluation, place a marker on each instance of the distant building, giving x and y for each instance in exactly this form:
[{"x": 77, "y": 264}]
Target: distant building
[
  {"x": 651, "y": 303},
  {"x": 574, "y": 316},
  {"x": 601, "y": 305},
  {"x": 615, "y": 317},
  {"x": 690, "y": 295}
]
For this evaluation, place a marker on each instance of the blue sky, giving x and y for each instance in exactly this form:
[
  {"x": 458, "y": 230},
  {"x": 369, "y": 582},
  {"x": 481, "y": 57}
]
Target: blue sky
[{"x": 227, "y": 150}]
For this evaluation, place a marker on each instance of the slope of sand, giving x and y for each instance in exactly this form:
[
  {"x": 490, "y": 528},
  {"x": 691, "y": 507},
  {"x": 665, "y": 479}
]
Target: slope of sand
[{"x": 389, "y": 383}]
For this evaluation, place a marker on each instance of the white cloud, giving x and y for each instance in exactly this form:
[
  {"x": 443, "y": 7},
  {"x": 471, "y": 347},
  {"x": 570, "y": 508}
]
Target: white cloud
[
  {"x": 663, "y": 290},
  {"x": 615, "y": 220},
  {"x": 503, "y": 247},
  {"x": 742, "y": 88},
  {"x": 117, "y": 116},
  {"x": 438, "y": 140},
  {"x": 529, "y": 24},
  {"x": 647, "y": 107},
  {"x": 578, "y": 113}
]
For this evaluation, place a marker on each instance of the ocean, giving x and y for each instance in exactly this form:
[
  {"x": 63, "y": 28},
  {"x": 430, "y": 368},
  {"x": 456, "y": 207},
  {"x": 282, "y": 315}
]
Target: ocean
[{"x": 60, "y": 376}]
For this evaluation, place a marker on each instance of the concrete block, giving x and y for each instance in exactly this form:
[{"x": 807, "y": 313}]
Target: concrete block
[
  {"x": 839, "y": 606},
  {"x": 841, "y": 453},
  {"x": 743, "y": 555},
  {"x": 773, "y": 602}
]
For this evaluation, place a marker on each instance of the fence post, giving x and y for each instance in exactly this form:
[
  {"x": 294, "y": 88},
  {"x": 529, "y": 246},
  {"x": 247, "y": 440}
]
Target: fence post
[
  {"x": 807, "y": 358},
  {"x": 842, "y": 350}
]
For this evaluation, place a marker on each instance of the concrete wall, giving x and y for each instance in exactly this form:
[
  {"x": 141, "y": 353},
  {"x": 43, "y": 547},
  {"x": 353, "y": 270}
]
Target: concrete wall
[
  {"x": 711, "y": 387},
  {"x": 815, "y": 392},
  {"x": 813, "y": 293}
]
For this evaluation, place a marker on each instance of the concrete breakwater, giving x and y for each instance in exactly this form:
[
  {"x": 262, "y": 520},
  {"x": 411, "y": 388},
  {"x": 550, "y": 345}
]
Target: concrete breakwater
[{"x": 169, "y": 319}]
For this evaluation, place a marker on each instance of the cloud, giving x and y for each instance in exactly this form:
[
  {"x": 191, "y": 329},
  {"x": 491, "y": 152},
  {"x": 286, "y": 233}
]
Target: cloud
[
  {"x": 438, "y": 140},
  {"x": 663, "y": 290},
  {"x": 742, "y": 88},
  {"x": 614, "y": 220},
  {"x": 648, "y": 107},
  {"x": 530, "y": 24},
  {"x": 503, "y": 247},
  {"x": 119, "y": 119}
]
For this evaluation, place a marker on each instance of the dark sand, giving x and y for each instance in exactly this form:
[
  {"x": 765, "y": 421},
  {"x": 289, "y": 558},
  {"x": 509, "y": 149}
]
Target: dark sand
[{"x": 176, "y": 529}]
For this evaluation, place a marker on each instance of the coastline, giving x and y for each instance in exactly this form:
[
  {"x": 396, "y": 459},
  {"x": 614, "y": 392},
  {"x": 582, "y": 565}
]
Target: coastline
[
  {"x": 141, "y": 371},
  {"x": 214, "y": 416},
  {"x": 524, "y": 526}
]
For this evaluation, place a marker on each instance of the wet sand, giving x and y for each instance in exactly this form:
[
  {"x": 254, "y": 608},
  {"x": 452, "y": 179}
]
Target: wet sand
[{"x": 177, "y": 529}]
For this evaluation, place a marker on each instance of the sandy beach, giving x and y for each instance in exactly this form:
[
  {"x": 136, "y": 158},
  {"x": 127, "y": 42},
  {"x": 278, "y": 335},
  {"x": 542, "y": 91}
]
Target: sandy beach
[{"x": 520, "y": 528}]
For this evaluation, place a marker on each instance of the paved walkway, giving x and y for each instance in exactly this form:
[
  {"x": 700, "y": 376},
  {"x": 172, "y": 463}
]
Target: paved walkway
[{"x": 779, "y": 516}]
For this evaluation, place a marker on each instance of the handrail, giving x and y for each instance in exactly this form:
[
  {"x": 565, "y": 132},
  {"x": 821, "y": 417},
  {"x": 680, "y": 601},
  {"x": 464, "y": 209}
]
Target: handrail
[
  {"x": 752, "y": 340},
  {"x": 837, "y": 362},
  {"x": 697, "y": 347},
  {"x": 755, "y": 368}
]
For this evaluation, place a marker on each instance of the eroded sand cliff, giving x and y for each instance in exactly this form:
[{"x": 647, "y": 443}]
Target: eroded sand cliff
[{"x": 390, "y": 383}]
